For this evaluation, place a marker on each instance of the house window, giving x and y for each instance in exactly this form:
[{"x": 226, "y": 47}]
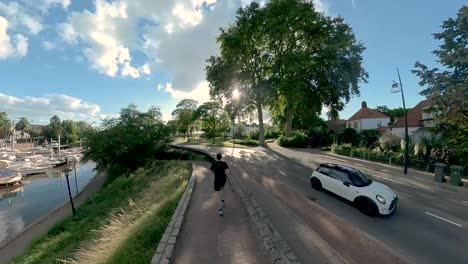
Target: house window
[
  {"x": 379, "y": 123},
  {"x": 355, "y": 125},
  {"x": 349, "y": 125}
]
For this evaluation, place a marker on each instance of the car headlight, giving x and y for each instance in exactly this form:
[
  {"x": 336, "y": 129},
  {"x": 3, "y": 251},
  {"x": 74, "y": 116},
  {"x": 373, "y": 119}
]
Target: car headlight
[{"x": 380, "y": 199}]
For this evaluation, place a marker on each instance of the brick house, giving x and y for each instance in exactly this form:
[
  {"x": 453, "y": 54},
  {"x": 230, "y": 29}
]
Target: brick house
[{"x": 419, "y": 122}]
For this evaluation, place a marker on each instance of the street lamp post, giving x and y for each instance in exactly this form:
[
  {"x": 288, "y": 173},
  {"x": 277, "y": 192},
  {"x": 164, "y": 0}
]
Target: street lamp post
[
  {"x": 397, "y": 88},
  {"x": 67, "y": 170}
]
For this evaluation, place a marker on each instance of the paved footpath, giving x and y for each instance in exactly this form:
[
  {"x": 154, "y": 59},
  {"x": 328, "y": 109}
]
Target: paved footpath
[{"x": 209, "y": 238}]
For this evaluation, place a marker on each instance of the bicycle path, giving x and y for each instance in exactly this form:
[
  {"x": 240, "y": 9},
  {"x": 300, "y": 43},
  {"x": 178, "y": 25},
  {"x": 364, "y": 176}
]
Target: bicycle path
[{"x": 208, "y": 238}]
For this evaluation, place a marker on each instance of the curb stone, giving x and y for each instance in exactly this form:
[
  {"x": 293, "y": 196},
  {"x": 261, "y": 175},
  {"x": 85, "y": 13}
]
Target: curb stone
[
  {"x": 165, "y": 251},
  {"x": 274, "y": 245}
]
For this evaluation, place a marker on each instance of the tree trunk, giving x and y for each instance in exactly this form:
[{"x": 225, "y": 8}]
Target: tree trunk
[
  {"x": 289, "y": 119},
  {"x": 261, "y": 132}
]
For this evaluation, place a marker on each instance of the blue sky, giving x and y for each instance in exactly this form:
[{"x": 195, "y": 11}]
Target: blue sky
[{"x": 87, "y": 59}]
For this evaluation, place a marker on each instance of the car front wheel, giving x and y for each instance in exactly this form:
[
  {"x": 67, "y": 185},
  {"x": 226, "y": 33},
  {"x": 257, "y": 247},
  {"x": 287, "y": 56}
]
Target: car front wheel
[
  {"x": 366, "y": 206},
  {"x": 316, "y": 184}
]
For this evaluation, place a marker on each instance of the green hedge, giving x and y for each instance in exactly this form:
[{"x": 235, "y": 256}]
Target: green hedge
[
  {"x": 298, "y": 140},
  {"x": 246, "y": 142}
]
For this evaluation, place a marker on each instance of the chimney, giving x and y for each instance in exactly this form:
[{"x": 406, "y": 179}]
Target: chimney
[{"x": 364, "y": 104}]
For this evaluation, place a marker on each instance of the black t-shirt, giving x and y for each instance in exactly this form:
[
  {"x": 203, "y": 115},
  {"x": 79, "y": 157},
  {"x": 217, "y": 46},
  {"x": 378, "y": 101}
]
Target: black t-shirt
[{"x": 219, "y": 168}]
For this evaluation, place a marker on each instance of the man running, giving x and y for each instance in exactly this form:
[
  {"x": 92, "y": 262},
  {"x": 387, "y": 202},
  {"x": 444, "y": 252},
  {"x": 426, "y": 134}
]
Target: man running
[{"x": 219, "y": 168}]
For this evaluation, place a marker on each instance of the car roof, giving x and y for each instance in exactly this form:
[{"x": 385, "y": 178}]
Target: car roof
[{"x": 339, "y": 167}]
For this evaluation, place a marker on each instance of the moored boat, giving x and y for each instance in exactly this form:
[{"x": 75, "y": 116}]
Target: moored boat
[{"x": 8, "y": 177}]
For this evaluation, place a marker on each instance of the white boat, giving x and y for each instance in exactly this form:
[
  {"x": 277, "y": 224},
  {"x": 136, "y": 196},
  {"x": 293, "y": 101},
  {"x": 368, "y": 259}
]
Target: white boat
[
  {"x": 29, "y": 168},
  {"x": 8, "y": 177}
]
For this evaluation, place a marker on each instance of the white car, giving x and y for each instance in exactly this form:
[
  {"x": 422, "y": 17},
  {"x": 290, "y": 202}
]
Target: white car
[{"x": 369, "y": 196}]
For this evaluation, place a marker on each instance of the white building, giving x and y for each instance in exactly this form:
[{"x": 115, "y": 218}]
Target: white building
[
  {"x": 419, "y": 120},
  {"x": 367, "y": 118}
]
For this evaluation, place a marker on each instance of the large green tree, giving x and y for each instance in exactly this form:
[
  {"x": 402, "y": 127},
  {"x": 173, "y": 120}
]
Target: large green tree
[
  {"x": 244, "y": 63},
  {"x": 184, "y": 114},
  {"x": 448, "y": 87},
  {"x": 53, "y": 129},
  {"x": 316, "y": 59},
  {"x": 213, "y": 118},
  {"x": 123, "y": 144}
]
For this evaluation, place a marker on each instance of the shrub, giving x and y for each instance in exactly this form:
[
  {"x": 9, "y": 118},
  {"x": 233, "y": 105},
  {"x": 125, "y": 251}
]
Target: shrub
[
  {"x": 272, "y": 134},
  {"x": 298, "y": 140},
  {"x": 254, "y": 134},
  {"x": 348, "y": 135},
  {"x": 246, "y": 142},
  {"x": 389, "y": 141},
  {"x": 368, "y": 137},
  {"x": 443, "y": 155}
]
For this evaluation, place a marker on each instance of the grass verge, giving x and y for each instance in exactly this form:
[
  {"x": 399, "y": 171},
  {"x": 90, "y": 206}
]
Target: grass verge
[{"x": 122, "y": 223}]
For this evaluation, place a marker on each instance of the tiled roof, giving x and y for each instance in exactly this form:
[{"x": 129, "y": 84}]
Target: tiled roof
[
  {"x": 365, "y": 112},
  {"x": 414, "y": 116}
]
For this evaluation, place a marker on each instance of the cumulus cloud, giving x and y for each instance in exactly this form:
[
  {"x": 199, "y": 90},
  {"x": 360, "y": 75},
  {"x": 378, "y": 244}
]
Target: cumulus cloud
[
  {"x": 108, "y": 33},
  {"x": 40, "y": 109},
  {"x": 11, "y": 47},
  {"x": 199, "y": 94},
  {"x": 175, "y": 37},
  {"x": 21, "y": 17}
]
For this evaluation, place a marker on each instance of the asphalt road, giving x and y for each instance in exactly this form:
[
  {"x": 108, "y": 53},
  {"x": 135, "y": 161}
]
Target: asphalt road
[
  {"x": 430, "y": 226},
  {"x": 431, "y": 223}
]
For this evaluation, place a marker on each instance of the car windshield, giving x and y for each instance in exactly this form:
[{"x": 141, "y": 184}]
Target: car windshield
[{"x": 359, "y": 179}]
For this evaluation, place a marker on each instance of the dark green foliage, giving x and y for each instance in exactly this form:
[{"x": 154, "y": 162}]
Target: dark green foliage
[
  {"x": 447, "y": 87},
  {"x": 348, "y": 135},
  {"x": 254, "y": 135},
  {"x": 369, "y": 138},
  {"x": 126, "y": 143},
  {"x": 246, "y": 142},
  {"x": 394, "y": 113},
  {"x": 298, "y": 140},
  {"x": 272, "y": 134}
]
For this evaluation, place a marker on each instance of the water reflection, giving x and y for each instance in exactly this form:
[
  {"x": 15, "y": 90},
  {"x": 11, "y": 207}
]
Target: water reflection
[{"x": 39, "y": 194}]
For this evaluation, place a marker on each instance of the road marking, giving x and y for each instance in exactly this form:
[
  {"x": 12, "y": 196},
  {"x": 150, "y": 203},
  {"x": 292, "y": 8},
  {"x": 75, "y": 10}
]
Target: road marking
[{"x": 441, "y": 218}]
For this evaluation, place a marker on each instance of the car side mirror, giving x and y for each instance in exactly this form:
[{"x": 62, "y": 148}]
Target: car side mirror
[{"x": 346, "y": 184}]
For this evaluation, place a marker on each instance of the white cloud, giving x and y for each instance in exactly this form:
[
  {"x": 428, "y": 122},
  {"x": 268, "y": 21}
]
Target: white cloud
[
  {"x": 16, "y": 47},
  {"x": 40, "y": 109},
  {"x": 20, "y": 16},
  {"x": 201, "y": 93},
  {"x": 108, "y": 33},
  {"x": 48, "y": 45}
]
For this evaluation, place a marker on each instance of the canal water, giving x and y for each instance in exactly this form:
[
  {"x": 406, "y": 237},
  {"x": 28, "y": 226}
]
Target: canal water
[{"x": 22, "y": 205}]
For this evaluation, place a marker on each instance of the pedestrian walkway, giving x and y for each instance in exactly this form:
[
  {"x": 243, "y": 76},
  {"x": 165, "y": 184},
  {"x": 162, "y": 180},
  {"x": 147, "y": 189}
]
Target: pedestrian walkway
[{"x": 209, "y": 238}]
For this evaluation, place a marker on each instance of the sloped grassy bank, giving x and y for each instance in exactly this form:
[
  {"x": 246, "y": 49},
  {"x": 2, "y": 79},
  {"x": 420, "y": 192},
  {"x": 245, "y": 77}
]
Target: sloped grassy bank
[{"x": 121, "y": 223}]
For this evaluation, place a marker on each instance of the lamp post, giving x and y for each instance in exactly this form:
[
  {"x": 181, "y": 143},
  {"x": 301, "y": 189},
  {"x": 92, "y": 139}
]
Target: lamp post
[
  {"x": 398, "y": 87},
  {"x": 67, "y": 171}
]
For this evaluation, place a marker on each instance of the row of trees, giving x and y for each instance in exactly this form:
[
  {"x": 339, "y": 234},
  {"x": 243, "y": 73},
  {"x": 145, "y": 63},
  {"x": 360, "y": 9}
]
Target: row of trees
[
  {"x": 287, "y": 57},
  {"x": 69, "y": 130},
  {"x": 189, "y": 117}
]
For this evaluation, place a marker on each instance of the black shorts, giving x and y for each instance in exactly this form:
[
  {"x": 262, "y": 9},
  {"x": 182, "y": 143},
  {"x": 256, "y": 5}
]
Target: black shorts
[{"x": 219, "y": 184}]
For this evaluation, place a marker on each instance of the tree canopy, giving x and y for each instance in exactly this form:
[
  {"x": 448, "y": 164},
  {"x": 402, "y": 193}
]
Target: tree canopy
[
  {"x": 127, "y": 142},
  {"x": 184, "y": 115},
  {"x": 288, "y": 57},
  {"x": 394, "y": 113},
  {"x": 448, "y": 86}
]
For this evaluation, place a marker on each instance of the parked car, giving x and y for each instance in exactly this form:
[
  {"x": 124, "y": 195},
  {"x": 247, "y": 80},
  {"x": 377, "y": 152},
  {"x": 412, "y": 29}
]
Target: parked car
[{"x": 369, "y": 196}]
